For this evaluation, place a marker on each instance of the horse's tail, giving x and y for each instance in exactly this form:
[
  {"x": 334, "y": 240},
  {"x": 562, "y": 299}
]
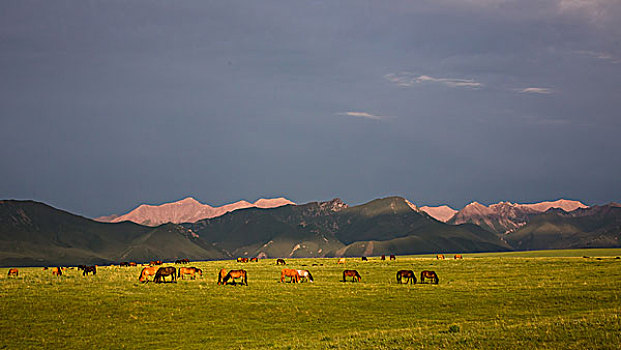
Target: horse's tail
[
  {"x": 245, "y": 278},
  {"x": 343, "y": 276},
  {"x": 399, "y": 276},
  {"x": 310, "y": 277}
]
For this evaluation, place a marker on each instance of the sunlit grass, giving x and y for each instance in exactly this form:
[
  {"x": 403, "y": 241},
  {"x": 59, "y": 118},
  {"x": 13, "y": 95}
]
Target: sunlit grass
[{"x": 515, "y": 301}]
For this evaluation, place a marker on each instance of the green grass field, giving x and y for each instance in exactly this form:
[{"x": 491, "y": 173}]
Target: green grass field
[{"x": 546, "y": 299}]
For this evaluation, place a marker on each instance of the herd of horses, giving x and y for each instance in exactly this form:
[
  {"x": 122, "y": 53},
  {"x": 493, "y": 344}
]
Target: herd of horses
[{"x": 170, "y": 274}]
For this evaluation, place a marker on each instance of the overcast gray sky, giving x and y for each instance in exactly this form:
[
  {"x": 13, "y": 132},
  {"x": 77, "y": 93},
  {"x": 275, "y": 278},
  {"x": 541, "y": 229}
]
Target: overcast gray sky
[{"x": 108, "y": 104}]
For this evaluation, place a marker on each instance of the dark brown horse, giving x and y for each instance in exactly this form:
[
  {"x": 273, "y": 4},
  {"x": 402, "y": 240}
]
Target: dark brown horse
[
  {"x": 146, "y": 272},
  {"x": 429, "y": 275},
  {"x": 383, "y": 257},
  {"x": 163, "y": 272},
  {"x": 281, "y": 262},
  {"x": 409, "y": 274},
  {"x": 353, "y": 274},
  {"x": 295, "y": 276},
  {"x": 87, "y": 269},
  {"x": 234, "y": 274},
  {"x": 364, "y": 258},
  {"x": 13, "y": 272},
  {"x": 192, "y": 271},
  {"x": 122, "y": 264},
  {"x": 392, "y": 257}
]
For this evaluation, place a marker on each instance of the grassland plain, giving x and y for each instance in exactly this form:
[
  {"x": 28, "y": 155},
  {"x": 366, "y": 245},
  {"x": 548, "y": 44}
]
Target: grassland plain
[{"x": 546, "y": 299}]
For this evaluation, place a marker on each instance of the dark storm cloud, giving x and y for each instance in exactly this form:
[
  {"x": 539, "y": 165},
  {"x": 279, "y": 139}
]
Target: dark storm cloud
[{"x": 105, "y": 105}]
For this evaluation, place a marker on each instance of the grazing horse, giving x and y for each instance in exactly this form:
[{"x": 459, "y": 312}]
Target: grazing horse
[
  {"x": 254, "y": 259},
  {"x": 189, "y": 271},
  {"x": 440, "y": 257},
  {"x": 146, "y": 272},
  {"x": 57, "y": 271},
  {"x": 13, "y": 272},
  {"x": 364, "y": 258},
  {"x": 341, "y": 261},
  {"x": 392, "y": 257},
  {"x": 409, "y": 274},
  {"x": 306, "y": 275},
  {"x": 429, "y": 275},
  {"x": 383, "y": 257},
  {"x": 233, "y": 274},
  {"x": 242, "y": 260},
  {"x": 353, "y": 274},
  {"x": 87, "y": 269},
  {"x": 295, "y": 276},
  {"x": 281, "y": 262},
  {"x": 155, "y": 262},
  {"x": 163, "y": 272},
  {"x": 133, "y": 264},
  {"x": 122, "y": 264},
  {"x": 457, "y": 256}
]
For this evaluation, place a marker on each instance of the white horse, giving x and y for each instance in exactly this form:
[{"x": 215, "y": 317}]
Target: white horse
[{"x": 305, "y": 274}]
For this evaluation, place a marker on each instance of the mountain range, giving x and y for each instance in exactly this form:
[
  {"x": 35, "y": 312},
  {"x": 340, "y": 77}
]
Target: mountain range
[
  {"x": 186, "y": 210},
  {"x": 33, "y": 233}
]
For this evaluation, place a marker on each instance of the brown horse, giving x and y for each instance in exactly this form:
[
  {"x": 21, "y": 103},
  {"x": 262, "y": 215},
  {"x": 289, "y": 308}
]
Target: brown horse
[
  {"x": 281, "y": 262},
  {"x": 295, "y": 276},
  {"x": 440, "y": 257},
  {"x": 87, "y": 269},
  {"x": 429, "y": 275},
  {"x": 146, "y": 272},
  {"x": 409, "y": 274},
  {"x": 242, "y": 260},
  {"x": 457, "y": 256},
  {"x": 233, "y": 274},
  {"x": 133, "y": 264},
  {"x": 163, "y": 272},
  {"x": 221, "y": 276},
  {"x": 254, "y": 259},
  {"x": 353, "y": 274},
  {"x": 392, "y": 257},
  {"x": 189, "y": 271},
  {"x": 57, "y": 271},
  {"x": 383, "y": 257},
  {"x": 13, "y": 272},
  {"x": 122, "y": 264},
  {"x": 155, "y": 262},
  {"x": 364, "y": 258}
]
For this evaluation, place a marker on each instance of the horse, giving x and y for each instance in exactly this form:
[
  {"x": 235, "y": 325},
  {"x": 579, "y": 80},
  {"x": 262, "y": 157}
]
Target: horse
[
  {"x": 281, "y": 262},
  {"x": 409, "y": 274},
  {"x": 306, "y": 275},
  {"x": 155, "y": 262},
  {"x": 13, "y": 272},
  {"x": 242, "y": 260},
  {"x": 133, "y": 264},
  {"x": 440, "y": 257},
  {"x": 392, "y": 257},
  {"x": 364, "y": 258},
  {"x": 146, "y": 272},
  {"x": 341, "y": 261},
  {"x": 353, "y": 274},
  {"x": 233, "y": 274},
  {"x": 457, "y": 256},
  {"x": 87, "y": 269},
  {"x": 57, "y": 271},
  {"x": 383, "y": 257},
  {"x": 295, "y": 276},
  {"x": 178, "y": 261},
  {"x": 163, "y": 272},
  {"x": 122, "y": 264},
  {"x": 429, "y": 275},
  {"x": 189, "y": 271},
  {"x": 221, "y": 276},
  {"x": 254, "y": 259}
]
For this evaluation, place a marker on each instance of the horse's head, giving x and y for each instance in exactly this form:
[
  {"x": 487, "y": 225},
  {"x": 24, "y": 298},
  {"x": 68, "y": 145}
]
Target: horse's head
[{"x": 200, "y": 272}]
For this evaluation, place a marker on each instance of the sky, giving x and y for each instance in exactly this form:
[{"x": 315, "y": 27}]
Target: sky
[{"x": 105, "y": 105}]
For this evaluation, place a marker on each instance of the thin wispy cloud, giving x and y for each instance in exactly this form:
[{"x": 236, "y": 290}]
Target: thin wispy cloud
[
  {"x": 363, "y": 115},
  {"x": 536, "y": 90},
  {"x": 407, "y": 79},
  {"x": 604, "y": 56}
]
